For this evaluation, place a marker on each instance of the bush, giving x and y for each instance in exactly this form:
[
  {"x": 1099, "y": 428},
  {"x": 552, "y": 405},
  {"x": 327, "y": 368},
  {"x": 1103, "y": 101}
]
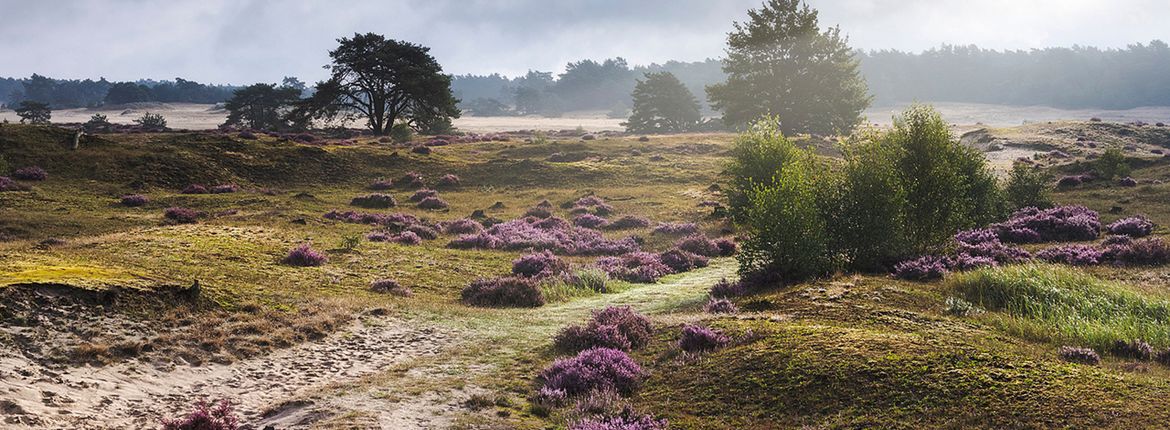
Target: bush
[
  {"x": 590, "y": 221},
  {"x": 503, "y": 292},
  {"x": 97, "y": 122},
  {"x": 179, "y": 215},
  {"x": 1111, "y": 164},
  {"x": 676, "y": 228},
  {"x": 1028, "y": 186},
  {"x": 696, "y": 338},
  {"x": 374, "y": 201},
  {"x": 1069, "y": 181},
  {"x": 726, "y": 246},
  {"x": 421, "y": 150},
  {"x": 756, "y": 157},
  {"x": 617, "y": 327},
  {"x": 304, "y": 256},
  {"x": 32, "y": 173},
  {"x": 152, "y": 121},
  {"x": 424, "y": 231},
  {"x": 194, "y": 189},
  {"x": 701, "y": 245},
  {"x": 1075, "y": 255},
  {"x": 419, "y": 195},
  {"x": 720, "y": 306},
  {"x": 1127, "y": 182},
  {"x": 410, "y": 180},
  {"x": 553, "y": 234},
  {"x": 206, "y": 416},
  {"x": 726, "y": 289},
  {"x": 448, "y": 181},
  {"x": 1136, "y": 226},
  {"x": 922, "y": 269},
  {"x": 629, "y": 222},
  {"x": 463, "y": 226},
  {"x": 539, "y": 265},
  {"x": 638, "y": 267},
  {"x": 1145, "y": 252},
  {"x": 381, "y": 185},
  {"x": 627, "y": 420},
  {"x": 1058, "y": 224},
  {"x": 224, "y": 189},
  {"x": 590, "y": 278},
  {"x": 406, "y": 238},
  {"x": 390, "y": 286},
  {"x": 134, "y": 200},
  {"x": 401, "y": 133},
  {"x": 1135, "y": 349},
  {"x": 538, "y": 212},
  {"x": 592, "y": 370},
  {"x": 432, "y": 203},
  {"x": 1074, "y": 354},
  {"x": 7, "y": 184},
  {"x": 681, "y": 261}
]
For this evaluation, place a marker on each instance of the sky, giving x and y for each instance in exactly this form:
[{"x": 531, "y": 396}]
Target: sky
[{"x": 246, "y": 41}]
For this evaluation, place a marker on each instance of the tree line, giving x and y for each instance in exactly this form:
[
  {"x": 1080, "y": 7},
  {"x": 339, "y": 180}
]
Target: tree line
[{"x": 74, "y": 93}]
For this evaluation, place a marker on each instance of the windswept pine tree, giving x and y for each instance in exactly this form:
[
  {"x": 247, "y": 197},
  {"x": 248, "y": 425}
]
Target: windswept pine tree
[{"x": 662, "y": 104}]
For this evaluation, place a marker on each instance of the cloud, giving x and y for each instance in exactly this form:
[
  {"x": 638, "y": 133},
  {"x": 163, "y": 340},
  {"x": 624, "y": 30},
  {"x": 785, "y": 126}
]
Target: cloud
[{"x": 247, "y": 41}]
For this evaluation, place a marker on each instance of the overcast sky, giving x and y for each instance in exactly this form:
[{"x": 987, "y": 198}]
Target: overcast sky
[{"x": 245, "y": 41}]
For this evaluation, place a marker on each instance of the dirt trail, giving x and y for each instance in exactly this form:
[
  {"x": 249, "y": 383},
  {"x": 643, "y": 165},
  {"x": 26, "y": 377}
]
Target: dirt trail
[{"x": 135, "y": 395}]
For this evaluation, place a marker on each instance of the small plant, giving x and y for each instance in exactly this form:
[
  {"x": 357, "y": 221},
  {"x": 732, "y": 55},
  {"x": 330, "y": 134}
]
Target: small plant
[
  {"x": 401, "y": 133},
  {"x": 7, "y": 184},
  {"x": 922, "y": 268},
  {"x": 1145, "y": 252},
  {"x": 224, "y": 189},
  {"x": 727, "y": 247},
  {"x": 1112, "y": 163},
  {"x": 627, "y": 420},
  {"x": 720, "y": 306},
  {"x": 961, "y": 308},
  {"x": 590, "y": 278},
  {"x": 1074, "y": 354},
  {"x": 1136, "y": 226},
  {"x": 592, "y": 370},
  {"x": 152, "y": 121},
  {"x": 696, "y": 338},
  {"x": 374, "y": 201},
  {"x": 617, "y": 327},
  {"x": 432, "y": 203},
  {"x": 1135, "y": 349},
  {"x": 381, "y": 185},
  {"x": 31, "y": 173},
  {"x": 195, "y": 189},
  {"x": 538, "y": 212},
  {"x": 410, "y": 180},
  {"x": 676, "y": 228},
  {"x": 180, "y": 215},
  {"x": 539, "y": 265},
  {"x": 638, "y": 267},
  {"x": 350, "y": 242},
  {"x": 390, "y": 286},
  {"x": 629, "y": 222},
  {"x": 406, "y": 238},
  {"x": 504, "y": 292},
  {"x": 206, "y": 416},
  {"x": 463, "y": 226},
  {"x": 1127, "y": 182},
  {"x": 419, "y": 195},
  {"x": 304, "y": 256},
  {"x": 448, "y": 181},
  {"x": 699, "y": 244},
  {"x": 589, "y": 221},
  {"x": 725, "y": 289},
  {"x": 1075, "y": 255},
  {"x": 134, "y": 200},
  {"x": 680, "y": 261}
]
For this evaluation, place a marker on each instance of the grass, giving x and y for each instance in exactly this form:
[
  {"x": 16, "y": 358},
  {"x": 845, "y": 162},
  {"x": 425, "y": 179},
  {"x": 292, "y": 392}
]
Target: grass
[{"x": 1061, "y": 304}]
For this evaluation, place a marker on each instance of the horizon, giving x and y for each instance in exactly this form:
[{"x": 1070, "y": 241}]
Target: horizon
[{"x": 237, "y": 43}]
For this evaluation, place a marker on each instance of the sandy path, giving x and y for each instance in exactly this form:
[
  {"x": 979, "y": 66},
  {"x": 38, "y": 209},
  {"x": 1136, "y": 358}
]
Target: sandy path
[{"x": 135, "y": 395}]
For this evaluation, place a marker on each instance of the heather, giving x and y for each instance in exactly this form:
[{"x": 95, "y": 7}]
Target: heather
[
  {"x": 1075, "y": 255},
  {"x": 387, "y": 220},
  {"x": 1058, "y": 224},
  {"x": 463, "y": 226},
  {"x": 676, "y": 228},
  {"x": 625, "y": 421},
  {"x": 680, "y": 261},
  {"x": 922, "y": 269},
  {"x": 590, "y": 221},
  {"x": 206, "y": 416},
  {"x": 720, "y": 306},
  {"x": 592, "y": 370},
  {"x": 32, "y": 173},
  {"x": 638, "y": 267},
  {"x": 223, "y": 189},
  {"x": 7, "y": 184},
  {"x": 134, "y": 200},
  {"x": 390, "y": 286},
  {"x": 629, "y": 222},
  {"x": 701, "y": 245},
  {"x": 304, "y": 255},
  {"x": 539, "y": 235},
  {"x": 1151, "y": 251},
  {"x": 374, "y": 201},
  {"x": 422, "y": 194},
  {"x": 541, "y": 264},
  {"x": 423, "y": 231},
  {"x": 503, "y": 292},
  {"x": 696, "y": 338},
  {"x": 448, "y": 181},
  {"x": 617, "y": 327},
  {"x": 432, "y": 203},
  {"x": 1074, "y": 354},
  {"x": 195, "y": 189},
  {"x": 727, "y": 289},
  {"x": 1136, "y": 226},
  {"x": 381, "y": 185},
  {"x": 180, "y": 215}
]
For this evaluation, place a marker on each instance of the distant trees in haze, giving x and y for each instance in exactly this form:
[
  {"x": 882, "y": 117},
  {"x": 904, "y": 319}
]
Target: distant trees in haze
[
  {"x": 66, "y": 93},
  {"x": 263, "y": 106},
  {"x": 662, "y": 104}
]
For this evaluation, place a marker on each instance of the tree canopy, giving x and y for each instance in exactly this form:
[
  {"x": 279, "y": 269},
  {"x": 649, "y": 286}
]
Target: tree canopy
[
  {"x": 780, "y": 63},
  {"x": 383, "y": 81},
  {"x": 262, "y": 106},
  {"x": 662, "y": 104},
  {"x": 34, "y": 112}
]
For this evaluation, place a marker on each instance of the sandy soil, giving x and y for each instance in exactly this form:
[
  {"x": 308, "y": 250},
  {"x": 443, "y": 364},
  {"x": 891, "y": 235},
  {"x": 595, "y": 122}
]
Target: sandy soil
[
  {"x": 198, "y": 116},
  {"x": 136, "y": 394}
]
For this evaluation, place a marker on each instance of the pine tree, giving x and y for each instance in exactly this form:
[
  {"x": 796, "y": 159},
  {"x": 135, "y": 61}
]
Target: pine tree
[{"x": 662, "y": 104}]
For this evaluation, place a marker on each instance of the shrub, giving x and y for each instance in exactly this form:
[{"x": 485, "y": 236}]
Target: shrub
[
  {"x": 304, "y": 256},
  {"x": 1058, "y": 224},
  {"x": 224, "y": 189},
  {"x": 965, "y": 261},
  {"x": 410, "y": 180},
  {"x": 727, "y": 289},
  {"x": 1136, "y": 226},
  {"x": 680, "y": 261},
  {"x": 589, "y": 201},
  {"x": 541, "y": 264},
  {"x": 1135, "y": 349},
  {"x": 922, "y": 269},
  {"x": 639, "y": 267},
  {"x": 1112, "y": 163},
  {"x": 463, "y": 226},
  {"x": 961, "y": 308},
  {"x": 432, "y": 203},
  {"x": 419, "y": 195},
  {"x": 423, "y": 231},
  {"x": 617, "y": 327},
  {"x": 152, "y": 121},
  {"x": 594, "y": 369},
  {"x": 206, "y": 416},
  {"x": 676, "y": 228},
  {"x": 552, "y": 234},
  {"x": 32, "y": 173},
  {"x": 538, "y": 212},
  {"x": 726, "y": 246},
  {"x": 628, "y": 420},
  {"x": 629, "y": 222},
  {"x": 1074, "y": 354},
  {"x": 195, "y": 189},
  {"x": 390, "y": 286},
  {"x": 701, "y": 245},
  {"x": 1075, "y": 255},
  {"x": 696, "y": 338},
  {"x": 448, "y": 181},
  {"x": 389, "y": 220},
  {"x": 1028, "y": 186},
  {"x": 401, "y": 133},
  {"x": 134, "y": 200},
  {"x": 1069, "y": 181},
  {"x": 7, "y": 184},
  {"x": 1127, "y": 182},
  {"x": 590, "y": 278},
  {"x": 374, "y": 201},
  {"x": 756, "y": 157},
  {"x": 1147, "y": 252},
  {"x": 247, "y": 135},
  {"x": 182, "y": 215},
  {"x": 720, "y": 306},
  {"x": 406, "y": 238},
  {"x": 504, "y": 292},
  {"x": 421, "y": 150},
  {"x": 590, "y": 221},
  {"x": 381, "y": 185}
]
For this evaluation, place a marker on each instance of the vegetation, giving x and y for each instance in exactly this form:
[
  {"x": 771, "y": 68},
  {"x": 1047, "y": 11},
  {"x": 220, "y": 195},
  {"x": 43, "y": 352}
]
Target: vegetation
[
  {"x": 32, "y": 112},
  {"x": 1028, "y": 186},
  {"x": 662, "y": 105},
  {"x": 152, "y": 121},
  {"x": 262, "y": 107}
]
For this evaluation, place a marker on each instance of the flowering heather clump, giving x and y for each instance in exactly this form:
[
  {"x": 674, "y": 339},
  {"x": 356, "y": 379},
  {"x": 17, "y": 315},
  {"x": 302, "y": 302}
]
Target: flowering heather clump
[
  {"x": 970, "y": 262},
  {"x": 617, "y": 327},
  {"x": 1148, "y": 252},
  {"x": 922, "y": 268},
  {"x": 378, "y": 236},
  {"x": 195, "y": 189},
  {"x": 682, "y": 261},
  {"x": 1117, "y": 240},
  {"x": 424, "y": 231},
  {"x": 1136, "y": 226},
  {"x": 551, "y": 223},
  {"x": 419, "y": 195},
  {"x": 727, "y": 289},
  {"x": 590, "y": 221},
  {"x": 627, "y": 420},
  {"x": 381, "y": 185},
  {"x": 395, "y": 219},
  {"x": 1069, "y": 181},
  {"x": 1127, "y": 182},
  {"x": 591, "y": 370},
  {"x": 304, "y": 256},
  {"x": 538, "y": 212},
  {"x": 390, "y": 286},
  {"x": 640, "y": 267},
  {"x": 976, "y": 236},
  {"x": 463, "y": 226},
  {"x": 7, "y": 184},
  {"x": 676, "y": 229},
  {"x": 1136, "y": 349},
  {"x": 224, "y": 189},
  {"x": 508, "y": 291},
  {"x": 699, "y": 244},
  {"x": 374, "y": 201},
  {"x": 1163, "y": 357},
  {"x": 182, "y": 215},
  {"x": 32, "y": 173},
  {"x": 206, "y": 416},
  {"x": 421, "y": 149},
  {"x": 1080, "y": 355},
  {"x": 410, "y": 180},
  {"x": 432, "y": 203},
  {"x": 247, "y": 135},
  {"x": 134, "y": 200},
  {"x": 1019, "y": 235},
  {"x": 531, "y": 233},
  {"x": 1076, "y": 255},
  {"x": 448, "y": 181},
  {"x": 1058, "y": 224},
  {"x": 726, "y": 246},
  {"x": 541, "y": 264},
  {"x": 629, "y": 222},
  {"x": 589, "y": 201},
  {"x": 696, "y": 338},
  {"x": 406, "y": 238},
  {"x": 720, "y": 306}
]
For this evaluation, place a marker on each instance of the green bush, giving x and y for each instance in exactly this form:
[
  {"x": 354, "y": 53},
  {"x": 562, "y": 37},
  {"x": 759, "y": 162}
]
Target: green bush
[
  {"x": 1112, "y": 164},
  {"x": 756, "y": 156},
  {"x": 401, "y": 133},
  {"x": 1061, "y": 304},
  {"x": 152, "y": 121},
  {"x": 1028, "y": 186}
]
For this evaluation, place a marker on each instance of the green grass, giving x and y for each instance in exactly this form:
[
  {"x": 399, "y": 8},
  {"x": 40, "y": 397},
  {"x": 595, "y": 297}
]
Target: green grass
[{"x": 1061, "y": 304}]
